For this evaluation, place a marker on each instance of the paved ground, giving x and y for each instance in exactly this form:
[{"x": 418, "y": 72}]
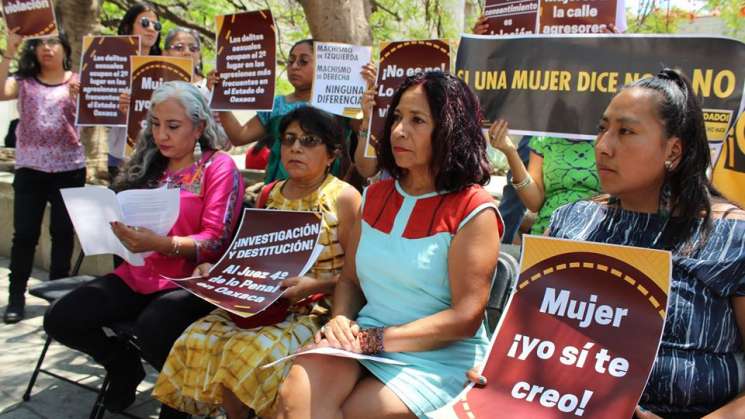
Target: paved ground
[{"x": 51, "y": 398}]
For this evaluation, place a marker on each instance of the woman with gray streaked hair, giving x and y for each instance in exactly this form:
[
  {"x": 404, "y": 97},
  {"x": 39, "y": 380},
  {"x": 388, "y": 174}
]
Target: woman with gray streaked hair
[
  {"x": 211, "y": 191},
  {"x": 185, "y": 42}
]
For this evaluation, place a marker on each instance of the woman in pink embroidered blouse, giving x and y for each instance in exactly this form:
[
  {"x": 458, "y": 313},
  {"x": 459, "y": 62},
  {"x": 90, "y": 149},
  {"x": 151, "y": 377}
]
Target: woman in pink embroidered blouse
[
  {"x": 211, "y": 191},
  {"x": 49, "y": 156}
]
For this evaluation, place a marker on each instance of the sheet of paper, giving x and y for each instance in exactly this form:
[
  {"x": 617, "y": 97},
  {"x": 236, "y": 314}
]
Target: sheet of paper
[
  {"x": 155, "y": 209},
  {"x": 336, "y": 352},
  {"x": 313, "y": 258},
  {"x": 91, "y": 208}
]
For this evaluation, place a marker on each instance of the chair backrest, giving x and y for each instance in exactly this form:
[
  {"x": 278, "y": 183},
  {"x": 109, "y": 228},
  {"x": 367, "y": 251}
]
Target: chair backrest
[
  {"x": 78, "y": 263},
  {"x": 503, "y": 283}
]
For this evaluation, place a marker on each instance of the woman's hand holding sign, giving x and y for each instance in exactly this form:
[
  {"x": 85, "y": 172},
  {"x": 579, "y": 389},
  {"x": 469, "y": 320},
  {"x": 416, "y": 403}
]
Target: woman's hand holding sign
[
  {"x": 124, "y": 100},
  {"x": 367, "y": 166},
  {"x": 74, "y": 87},
  {"x": 14, "y": 41},
  {"x": 202, "y": 270},
  {"x": 498, "y": 137},
  {"x": 369, "y": 73},
  {"x": 298, "y": 288},
  {"x": 481, "y": 27}
]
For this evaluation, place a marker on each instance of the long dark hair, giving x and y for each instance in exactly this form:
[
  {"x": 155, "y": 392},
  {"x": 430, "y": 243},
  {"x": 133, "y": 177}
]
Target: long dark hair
[
  {"x": 126, "y": 25},
  {"x": 308, "y": 41},
  {"x": 28, "y": 64},
  {"x": 458, "y": 146},
  {"x": 324, "y": 125},
  {"x": 689, "y": 187}
]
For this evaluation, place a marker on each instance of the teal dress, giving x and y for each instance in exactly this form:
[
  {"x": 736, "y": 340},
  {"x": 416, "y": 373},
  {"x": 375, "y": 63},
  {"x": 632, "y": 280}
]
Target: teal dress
[
  {"x": 569, "y": 174},
  {"x": 271, "y": 121},
  {"x": 402, "y": 266}
]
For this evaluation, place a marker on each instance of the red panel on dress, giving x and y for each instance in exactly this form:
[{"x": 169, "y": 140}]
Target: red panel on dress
[{"x": 382, "y": 203}]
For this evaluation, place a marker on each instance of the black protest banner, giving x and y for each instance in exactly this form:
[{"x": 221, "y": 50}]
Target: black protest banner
[
  {"x": 729, "y": 170},
  {"x": 549, "y": 85}
]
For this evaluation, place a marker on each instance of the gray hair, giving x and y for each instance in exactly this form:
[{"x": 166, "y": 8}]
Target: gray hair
[
  {"x": 180, "y": 29},
  {"x": 146, "y": 165}
]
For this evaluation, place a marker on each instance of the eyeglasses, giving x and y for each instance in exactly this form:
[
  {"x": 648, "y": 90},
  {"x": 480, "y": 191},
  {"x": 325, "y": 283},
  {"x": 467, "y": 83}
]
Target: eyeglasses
[
  {"x": 50, "y": 42},
  {"x": 306, "y": 141},
  {"x": 183, "y": 47},
  {"x": 300, "y": 61},
  {"x": 145, "y": 23}
]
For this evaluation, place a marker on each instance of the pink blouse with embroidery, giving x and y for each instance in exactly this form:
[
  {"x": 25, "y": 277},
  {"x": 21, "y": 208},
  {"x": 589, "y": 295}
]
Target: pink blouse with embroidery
[
  {"x": 211, "y": 200},
  {"x": 47, "y": 138}
]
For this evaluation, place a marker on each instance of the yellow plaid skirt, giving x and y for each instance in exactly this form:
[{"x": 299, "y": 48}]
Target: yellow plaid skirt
[{"x": 214, "y": 352}]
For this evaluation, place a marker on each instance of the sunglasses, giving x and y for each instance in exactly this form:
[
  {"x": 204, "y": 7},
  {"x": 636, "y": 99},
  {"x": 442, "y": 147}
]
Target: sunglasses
[
  {"x": 183, "y": 47},
  {"x": 145, "y": 23},
  {"x": 306, "y": 141}
]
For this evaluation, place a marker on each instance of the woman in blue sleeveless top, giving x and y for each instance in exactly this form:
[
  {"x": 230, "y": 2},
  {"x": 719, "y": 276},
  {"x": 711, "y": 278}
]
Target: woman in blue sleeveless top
[{"x": 417, "y": 279}]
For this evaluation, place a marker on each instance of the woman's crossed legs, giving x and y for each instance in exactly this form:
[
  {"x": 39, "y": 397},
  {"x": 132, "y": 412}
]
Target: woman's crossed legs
[{"x": 319, "y": 386}]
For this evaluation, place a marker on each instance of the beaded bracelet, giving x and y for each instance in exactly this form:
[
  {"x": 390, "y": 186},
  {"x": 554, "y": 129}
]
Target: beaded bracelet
[
  {"x": 362, "y": 133},
  {"x": 371, "y": 340}
]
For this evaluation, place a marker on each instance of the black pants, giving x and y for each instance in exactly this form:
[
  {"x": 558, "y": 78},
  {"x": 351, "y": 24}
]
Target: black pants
[
  {"x": 76, "y": 320},
  {"x": 33, "y": 189}
]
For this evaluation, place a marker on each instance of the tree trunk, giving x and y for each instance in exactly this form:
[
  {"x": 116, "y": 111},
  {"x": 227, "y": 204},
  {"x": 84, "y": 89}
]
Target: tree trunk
[
  {"x": 338, "y": 20},
  {"x": 79, "y": 18}
]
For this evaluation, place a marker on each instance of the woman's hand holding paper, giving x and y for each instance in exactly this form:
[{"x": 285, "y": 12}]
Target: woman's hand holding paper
[
  {"x": 140, "y": 239},
  {"x": 340, "y": 332}
]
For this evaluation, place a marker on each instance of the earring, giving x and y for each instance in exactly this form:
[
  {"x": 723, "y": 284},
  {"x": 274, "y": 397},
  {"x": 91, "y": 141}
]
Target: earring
[{"x": 668, "y": 165}]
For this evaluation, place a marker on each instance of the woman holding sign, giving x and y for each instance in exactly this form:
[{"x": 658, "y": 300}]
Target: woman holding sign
[
  {"x": 211, "y": 191},
  {"x": 216, "y": 361},
  {"x": 184, "y": 42},
  {"x": 49, "y": 156},
  {"x": 140, "y": 19},
  {"x": 418, "y": 272},
  {"x": 300, "y": 74},
  {"x": 652, "y": 157}
]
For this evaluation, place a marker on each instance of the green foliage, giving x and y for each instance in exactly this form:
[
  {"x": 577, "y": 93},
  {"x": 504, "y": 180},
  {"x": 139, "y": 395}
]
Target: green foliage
[
  {"x": 732, "y": 12},
  {"x": 394, "y": 20},
  {"x": 655, "y": 17},
  {"x": 288, "y": 16},
  {"x": 389, "y": 20}
]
